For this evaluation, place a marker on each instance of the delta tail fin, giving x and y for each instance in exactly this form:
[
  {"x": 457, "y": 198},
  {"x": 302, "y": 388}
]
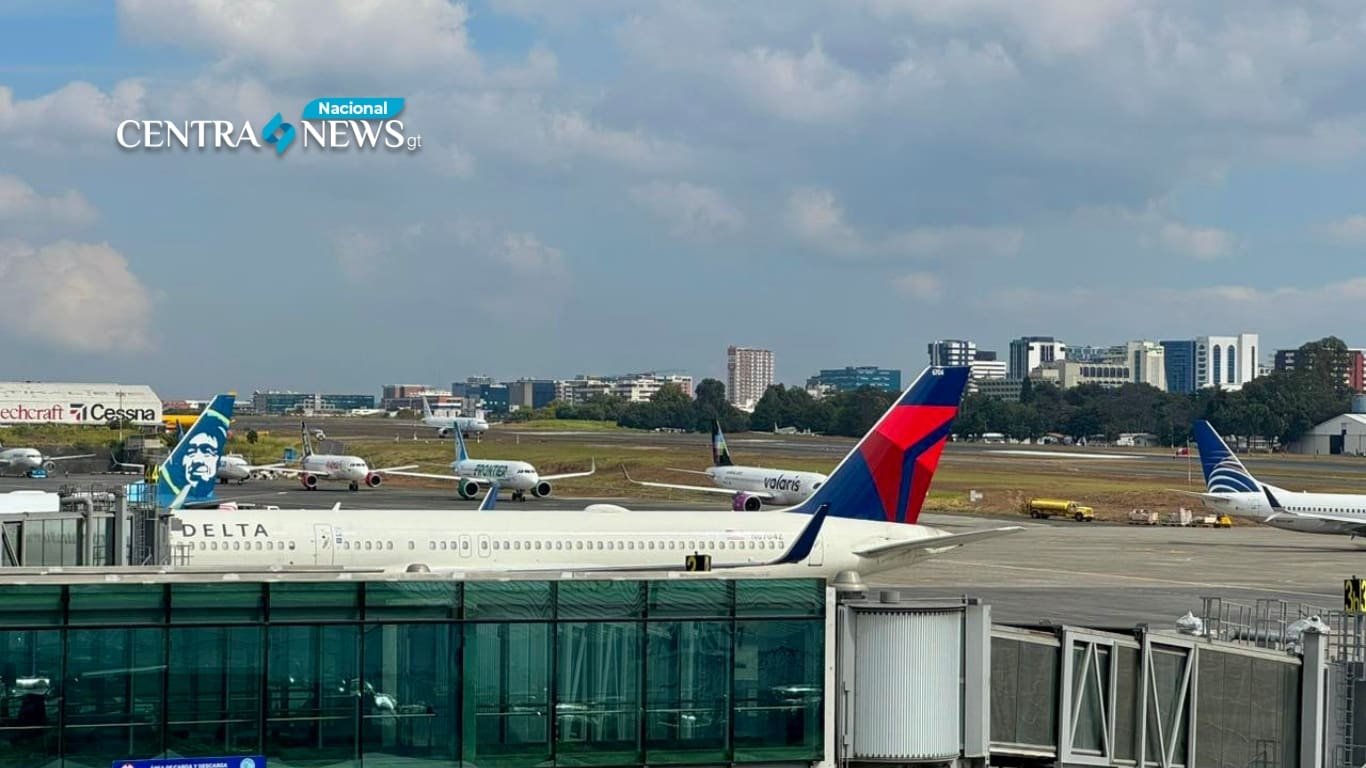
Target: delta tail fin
[
  {"x": 1224, "y": 473},
  {"x": 190, "y": 473},
  {"x": 720, "y": 455},
  {"x": 886, "y": 476}
]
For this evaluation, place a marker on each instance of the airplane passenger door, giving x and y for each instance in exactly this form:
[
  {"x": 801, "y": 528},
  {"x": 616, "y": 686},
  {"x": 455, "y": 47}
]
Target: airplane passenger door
[
  {"x": 817, "y": 556},
  {"x": 484, "y": 545},
  {"x": 322, "y": 545},
  {"x": 465, "y": 545}
]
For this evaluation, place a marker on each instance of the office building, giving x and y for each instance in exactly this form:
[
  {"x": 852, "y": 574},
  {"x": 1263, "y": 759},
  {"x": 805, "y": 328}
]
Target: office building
[
  {"x": 1285, "y": 360},
  {"x": 1089, "y": 353},
  {"x": 1225, "y": 362},
  {"x": 852, "y": 378},
  {"x": 1074, "y": 373},
  {"x": 749, "y": 373},
  {"x": 1029, "y": 352},
  {"x": 530, "y": 393},
  {"x": 999, "y": 389},
  {"x": 275, "y": 403},
  {"x": 634, "y": 387},
  {"x": 984, "y": 365},
  {"x": 1354, "y": 373},
  {"x": 952, "y": 352},
  {"x": 1179, "y": 365},
  {"x": 1147, "y": 361}
]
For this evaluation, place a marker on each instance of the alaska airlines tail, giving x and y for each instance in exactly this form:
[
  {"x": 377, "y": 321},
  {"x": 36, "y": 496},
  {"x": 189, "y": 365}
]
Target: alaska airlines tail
[
  {"x": 190, "y": 472},
  {"x": 720, "y": 455},
  {"x": 1224, "y": 473},
  {"x": 886, "y": 476},
  {"x": 460, "y": 453}
]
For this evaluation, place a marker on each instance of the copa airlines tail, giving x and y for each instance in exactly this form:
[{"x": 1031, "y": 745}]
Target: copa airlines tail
[
  {"x": 720, "y": 455},
  {"x": 190, "y": 473},
  {"x": 1224, "y": 473}
]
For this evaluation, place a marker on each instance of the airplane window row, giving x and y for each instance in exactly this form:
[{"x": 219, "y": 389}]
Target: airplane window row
[
  {"x": 259, "y": 546},
  {"x": 370, "y": 545},
  {"x": 677, "y": 544}
]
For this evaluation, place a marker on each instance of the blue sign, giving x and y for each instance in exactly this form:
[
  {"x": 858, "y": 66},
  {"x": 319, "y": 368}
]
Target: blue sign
[
  {"x": 253, "y": 761},
  {"x": 38, "y": 473}
]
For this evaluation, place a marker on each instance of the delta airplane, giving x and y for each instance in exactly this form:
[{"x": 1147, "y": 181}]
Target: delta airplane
[
  {"x": 517, "y": 476},
  {"x": 749, "y": 487},
  {"x": 470, "y": 425},
  {"x": 27, "y": 460},
  {"x": 1231, "y": 489},
  {"x": 863, "y": 519},
  {"x": 351, "y": 470}
]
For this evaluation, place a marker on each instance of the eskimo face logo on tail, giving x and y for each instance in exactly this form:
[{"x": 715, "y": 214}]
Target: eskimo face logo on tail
[
  {"x": 194, "y": 462},
  {"x": 1229, "y": 476}
]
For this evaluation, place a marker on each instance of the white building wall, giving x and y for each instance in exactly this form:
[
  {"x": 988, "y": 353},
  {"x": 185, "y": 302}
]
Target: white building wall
[
  {"x": 23, "y": 402},
  {"x": 1213, "y": 367}
]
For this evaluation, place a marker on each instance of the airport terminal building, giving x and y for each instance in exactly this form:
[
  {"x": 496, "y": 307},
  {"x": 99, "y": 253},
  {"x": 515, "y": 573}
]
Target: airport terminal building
[{"x": 44, "y": 402}]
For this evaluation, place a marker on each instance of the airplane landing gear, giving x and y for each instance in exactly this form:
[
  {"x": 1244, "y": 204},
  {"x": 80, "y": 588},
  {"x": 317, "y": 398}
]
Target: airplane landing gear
[
  {"x": 355, "y": 486},
  {"x": 519, "y": 496}
]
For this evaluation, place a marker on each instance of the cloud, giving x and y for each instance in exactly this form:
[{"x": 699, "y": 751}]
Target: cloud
[
  {"x": 1203, "y": 244},
  {"x": 22, "y": 205},
  {"x": 80, "y": 296},
  {"x": 937, "y": 240},
  {"x": 816, "y": 217},
  {"x": 1050, "y": 27},
  {"x": 527, "y": 256},
  {"x": 808, "y": 88},
  {"x": 693, "y": 210},
  {"x": 77, "y": 111},
  {"x": 360, "y": 256},
  {"x": 919, "y": 285},
  {"x": 1348, "y": 231}
]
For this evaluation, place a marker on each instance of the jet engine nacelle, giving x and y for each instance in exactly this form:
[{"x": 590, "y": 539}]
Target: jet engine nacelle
[
  {"x": 50, "y": 466},
  {"x": 746, "y": 502},
  {"x": 374, "y": 479},
  {"x": 542, "y": 489},
  {"x": 468, "y": 489},
  {"x": 309, "y": 481},
  {"x": 444, "y": 432}
]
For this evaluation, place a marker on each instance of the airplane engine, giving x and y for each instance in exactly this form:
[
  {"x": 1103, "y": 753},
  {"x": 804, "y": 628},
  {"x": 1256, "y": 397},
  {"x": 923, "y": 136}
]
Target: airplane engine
[
  {"x": 374, "y": 479},
  {"x": 444, "y": 432},
  {"x": 468, "y": 488},
  {"x": 309, "y": 481},
  {"x": 542, "y": 489},
  {"x": 745, "y": 502},
  {"x": 50, "y": 466}
]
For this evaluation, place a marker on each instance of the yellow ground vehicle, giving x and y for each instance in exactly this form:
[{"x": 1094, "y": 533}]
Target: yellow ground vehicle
[{"x": 1041, "y": 509}]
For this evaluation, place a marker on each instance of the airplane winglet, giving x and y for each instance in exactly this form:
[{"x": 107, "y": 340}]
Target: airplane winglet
[
  {"x": 806, "y": 540},
  {"x": 1271, "y": 499},
  {"x": 490, "y": 498}
]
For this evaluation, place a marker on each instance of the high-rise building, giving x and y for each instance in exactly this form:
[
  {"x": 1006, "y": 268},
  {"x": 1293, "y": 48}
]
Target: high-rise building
[
  {"x": 749, "y": 373},
  {"x": 1354, "y": 374},
  {"x": 1029, "y": 352},
  {"x": 1147, "y": 361},
  {"x": 952, "y": 352},
  {"x": 1226, "y": 362},
  {"x": 853, "y": 378},
  {"x": 1179, "y": 363},
  {"x": 530, "y": 393}
]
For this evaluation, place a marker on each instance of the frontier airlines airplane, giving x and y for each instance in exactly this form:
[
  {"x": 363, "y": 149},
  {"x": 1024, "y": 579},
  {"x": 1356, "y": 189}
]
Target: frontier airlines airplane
[{"x": 864, "y": 519}]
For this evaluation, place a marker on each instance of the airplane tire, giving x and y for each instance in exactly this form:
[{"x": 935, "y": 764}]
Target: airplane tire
[{"x": 355, "y": 486}]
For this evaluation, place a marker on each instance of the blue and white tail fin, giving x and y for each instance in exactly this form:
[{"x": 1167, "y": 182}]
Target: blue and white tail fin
[
  {"x": 426, "y": 408},
  {"x": 1224, "y": 473},
  {"x": 190, "y": 473},
  {"x": 720, "y": 455},
  {"x": 460, "y": 453},
  {"x": 887, "y": 475}
]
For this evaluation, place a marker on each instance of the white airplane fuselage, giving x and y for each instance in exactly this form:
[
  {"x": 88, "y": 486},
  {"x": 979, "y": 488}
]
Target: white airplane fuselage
[
  {"x": 1255, "y": 505},
  {"x": 233, "y": 467},
  {"x": 319, "y": 467},
  {"x": 475, "y": 541},
  {"x": 21, "y": 460},
  {"x": 518, "y": 476},
  {"x": 787, "y": 488},
  {"x": 469, "y": 425}
]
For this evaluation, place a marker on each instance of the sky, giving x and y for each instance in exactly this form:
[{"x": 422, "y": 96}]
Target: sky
[{"x": 609, "y": 186}]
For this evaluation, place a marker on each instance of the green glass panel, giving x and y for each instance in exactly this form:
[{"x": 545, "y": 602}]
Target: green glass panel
[
  {"x": 118, "y": 604},
  {"x": 507, "y": 695},
  {"x": 600, "y": 600},
  {"x": 409, "y": 696},
  {"x": 779, "y": 597},
  {"x": 313, "y": 695},
  {"x": 218, "y": 603},
  {"x": 678, "y": 598},
  {"x": 779, "y": 690},
  {"x": 213, "y": 689},
  {"x": 90, "y": 746},
  {"x": 687, "y": 693},
  {"x": 113, "y": 694},
  {"x": 394, "y": 600},
  {"x": 30, "y": 682},
  {"x": 597, "y": 694},
  {"x": 503, "y": 600},
  {"x": 334, "y": 601},
  {"x": 32, "y": 606}
]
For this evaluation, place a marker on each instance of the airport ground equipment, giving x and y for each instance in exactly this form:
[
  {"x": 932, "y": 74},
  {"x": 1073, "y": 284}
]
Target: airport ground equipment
[{"x": 1042, "y": 509}]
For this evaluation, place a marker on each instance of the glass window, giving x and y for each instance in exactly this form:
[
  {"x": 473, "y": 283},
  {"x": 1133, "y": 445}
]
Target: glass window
[
  {"x": 30, "y": 686},
  {"x": 393, "y": 600},
  {"x": 30, "y": 606},
  {"x": 779, "y": 597},
  {"x": 298, "y": 601},
  {"x": 597, "y": 687},
  {"x": 218, "y": 603},
  {"x": 117, "y": 603},
  {"x": 687, "y": 705},
  {"x": 600, "y": 599},
  {"x": 779, "y": 687},
  {"x": 214, "y": 690},
  {"x": 683, "y": 598},
  {"x": 507, "y": 600},
  {"x": 408, "y": 695},
  {"x": 313, "y": 695},
  {"x": 113, "y": 694},
  {"x": 507, "y": 694}
]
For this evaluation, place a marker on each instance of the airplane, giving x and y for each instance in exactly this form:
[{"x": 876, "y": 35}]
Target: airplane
[
  {"x": 520, "y": 477},
  {"x": 749, "y": 487},
  {"x": 233, "y": 466},
  {"x": 863, "y": 519},
  {"x": 470, "y": 425},
  {"x": 352, "y": 470},
  {"x": 189, "y": 474},
  {"x": 1230, "y": 488},
  {"x": 27, "y": 460}
]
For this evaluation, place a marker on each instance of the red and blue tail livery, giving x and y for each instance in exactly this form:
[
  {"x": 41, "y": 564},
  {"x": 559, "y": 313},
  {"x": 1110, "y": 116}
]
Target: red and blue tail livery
[{"x": 885, "y": 478}]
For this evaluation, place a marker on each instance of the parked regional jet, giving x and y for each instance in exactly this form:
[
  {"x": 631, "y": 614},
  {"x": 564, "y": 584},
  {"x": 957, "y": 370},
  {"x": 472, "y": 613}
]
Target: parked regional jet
[
  {"x": 517, "y": 476},
  {"x": 351, "y": 470},
  {"x": 749, "y": 487},
  {"x": 25, "y": 460},
  {"x": 864, "y": 519},
  {"x": 470, "y": 425},
  {"x": 1230, "y": 488},
  {"x": 233, "y": 466}
]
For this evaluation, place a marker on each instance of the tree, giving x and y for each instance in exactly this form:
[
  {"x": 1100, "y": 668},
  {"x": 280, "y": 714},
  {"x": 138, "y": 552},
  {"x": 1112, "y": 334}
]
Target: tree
[
  {"x": 1327, "y": 358},
  {"x": 252, "y": 437}
]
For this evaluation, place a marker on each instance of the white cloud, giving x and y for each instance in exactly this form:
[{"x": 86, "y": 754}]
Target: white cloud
[
  {"x": 527, "y": 256},
  {"x": 816, "y": 217},
  {"x": 81, "y": 296},
  {"x": 937, "y": 240},
  {"x": 22, "y": 205},
  {"x": 360, "y": 256},
  {"x": 76, "y": 111},
  {"x": 1348, "y": 231},
  {"x": 807, "y": 88},
  {"x": 1047, "y": 26},
  {"x": 919, "y": 285},
  {"x": 1200, "y": 243},
  {"x": 693, "y": 210}
]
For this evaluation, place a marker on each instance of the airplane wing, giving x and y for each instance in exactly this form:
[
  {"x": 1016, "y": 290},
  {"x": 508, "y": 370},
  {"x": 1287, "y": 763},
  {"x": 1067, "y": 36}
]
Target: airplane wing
[
  {"x": 1279, "y": 511},
  {"x": 592, "y": 468},
  {"x": 936, "y": 544},
  {"x": 394, "y": 470},
  {"x": 1211, "y": 499},
  {"x": 116, "y": 464},
  {"x": 765, "y": 495},
  {"x": 432, "y": 476},
  {"x": 688, "y": 471},
  {"x": 64, "y": 458},
  {"x": 292, "y": 471}
]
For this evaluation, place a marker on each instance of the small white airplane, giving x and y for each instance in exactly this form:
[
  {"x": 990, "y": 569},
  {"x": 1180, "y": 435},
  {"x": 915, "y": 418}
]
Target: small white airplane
[
  {"x": 1231, "y": 489},
  {"x": 865, "y": 519},
  {"x": 749, "y": 487},
  {"x": 520, "y": 477},
  {"x": 352, "y": 470},
  {"x": 470, "y": 425},
  {"x": 233, "y": 466},
  {"x": 26, "y": 460}
]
